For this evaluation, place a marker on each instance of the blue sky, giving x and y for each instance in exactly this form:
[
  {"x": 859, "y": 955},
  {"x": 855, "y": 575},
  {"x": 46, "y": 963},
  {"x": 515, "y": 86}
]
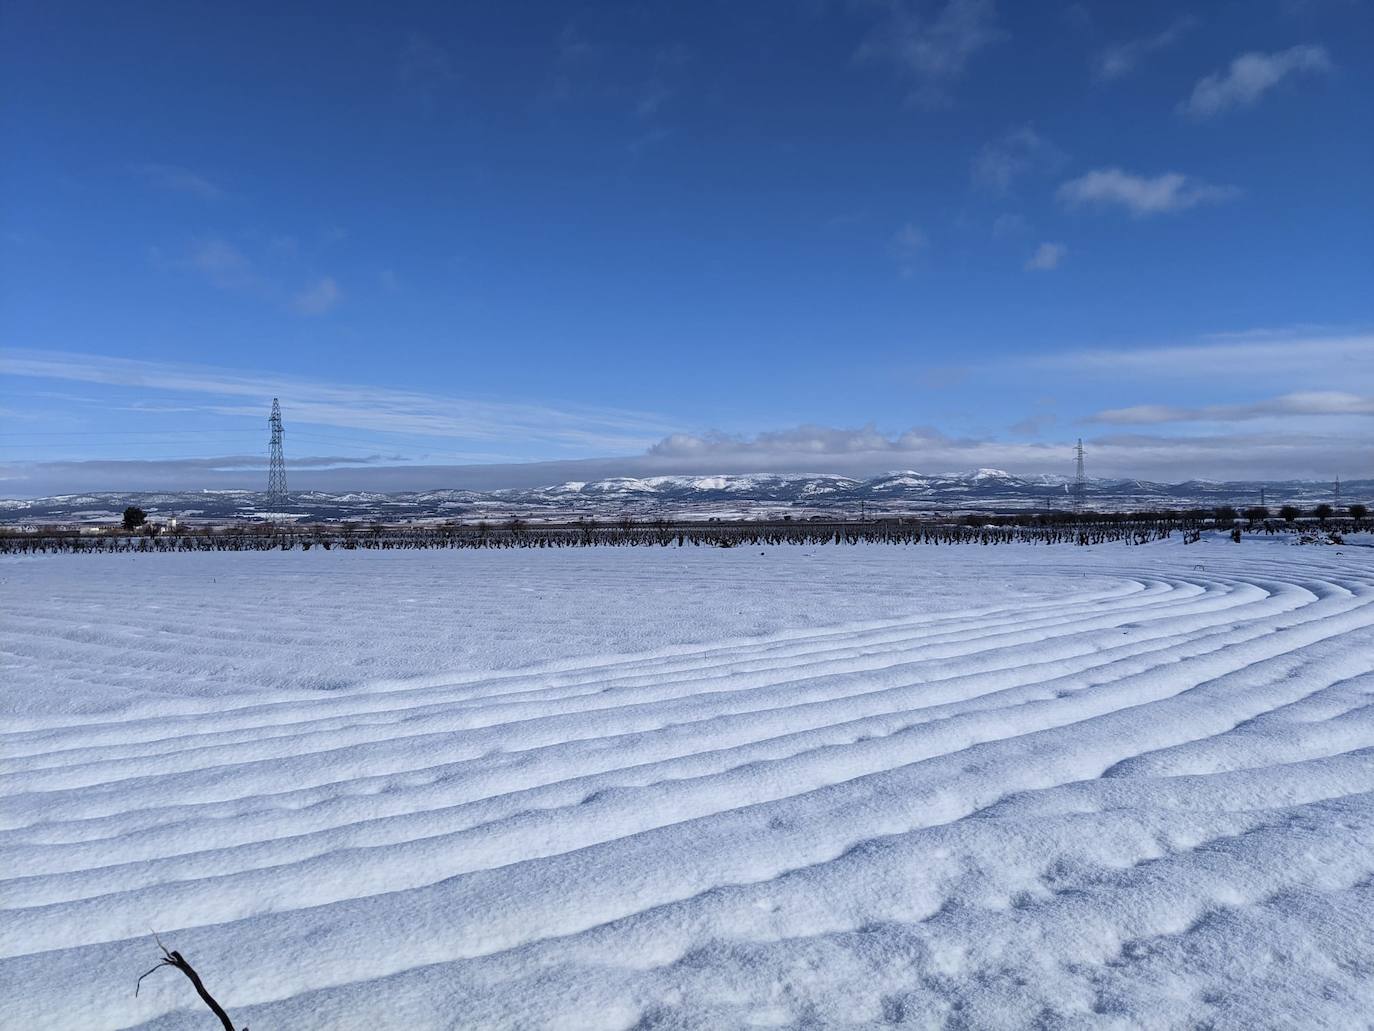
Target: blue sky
[{"x": 663, "y": 237}]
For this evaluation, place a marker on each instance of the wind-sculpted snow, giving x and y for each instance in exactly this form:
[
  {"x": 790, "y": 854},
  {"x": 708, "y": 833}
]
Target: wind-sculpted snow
[{"x": 972, "y": 787}]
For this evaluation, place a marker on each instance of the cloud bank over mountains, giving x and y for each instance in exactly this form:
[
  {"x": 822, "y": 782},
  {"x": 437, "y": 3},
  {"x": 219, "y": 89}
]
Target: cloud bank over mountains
[
  {"x": 1303, "y": 408},
  {"x": 812, "y": 449}
]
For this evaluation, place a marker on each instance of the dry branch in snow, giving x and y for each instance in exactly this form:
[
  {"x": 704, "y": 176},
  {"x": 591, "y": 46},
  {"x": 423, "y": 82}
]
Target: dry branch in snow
[{"x": 176, "y": 959}]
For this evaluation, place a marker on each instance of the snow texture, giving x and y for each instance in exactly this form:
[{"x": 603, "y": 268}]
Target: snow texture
[{"x": 983, "y": 787}]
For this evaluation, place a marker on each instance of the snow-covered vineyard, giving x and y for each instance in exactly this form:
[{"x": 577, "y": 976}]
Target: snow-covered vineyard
[{"x": 659, "y": 788}]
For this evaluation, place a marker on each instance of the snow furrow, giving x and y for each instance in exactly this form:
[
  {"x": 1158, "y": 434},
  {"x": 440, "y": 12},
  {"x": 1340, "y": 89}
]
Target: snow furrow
[{"x": 1087, "y": 784}]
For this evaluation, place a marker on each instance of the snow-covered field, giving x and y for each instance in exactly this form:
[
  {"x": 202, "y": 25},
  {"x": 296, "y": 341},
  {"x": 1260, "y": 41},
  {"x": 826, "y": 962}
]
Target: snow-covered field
[{"x": 657, "y": 788}]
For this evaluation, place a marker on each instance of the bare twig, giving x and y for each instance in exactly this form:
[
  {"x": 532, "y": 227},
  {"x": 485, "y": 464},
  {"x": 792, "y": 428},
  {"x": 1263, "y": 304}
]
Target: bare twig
[{"x": 176, "y": 959}]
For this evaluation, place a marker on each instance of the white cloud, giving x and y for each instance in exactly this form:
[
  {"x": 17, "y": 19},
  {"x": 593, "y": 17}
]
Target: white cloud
[
  {"x": 999, "y": 163},
  {"x": 851, "y": 451},
  {"x": 1142, "y": 195},
  {"x": 1301, "y": 403},
  {"x": 318, "y": 298},
  {"x": 177, "y": 179},
  {"x": 807, "y": 439},
  {"x": 1046, "y": 257},
  {"x": 1121, "y": 59},
  {"x": 932, "y": 50},
  {"x": 1249, "y": 77}
]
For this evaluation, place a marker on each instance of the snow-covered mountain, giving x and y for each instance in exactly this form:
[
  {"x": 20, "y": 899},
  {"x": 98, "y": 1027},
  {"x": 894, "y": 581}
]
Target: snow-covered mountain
[
  {"x": 765, "y": 487},
  {"x": 687, "y": 497}
]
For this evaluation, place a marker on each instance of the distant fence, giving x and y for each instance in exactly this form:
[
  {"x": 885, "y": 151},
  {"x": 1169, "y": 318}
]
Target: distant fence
[{"x": 1098, "y": 528}]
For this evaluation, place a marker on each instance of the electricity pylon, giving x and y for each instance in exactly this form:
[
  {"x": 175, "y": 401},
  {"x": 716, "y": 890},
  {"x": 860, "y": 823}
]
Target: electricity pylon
[
  {"x": 276, "y": 462},
  {"x": 1080, "y": 481}
]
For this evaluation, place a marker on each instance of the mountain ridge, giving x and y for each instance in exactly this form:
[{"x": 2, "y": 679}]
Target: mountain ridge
[{"x": 687, "y": 496}]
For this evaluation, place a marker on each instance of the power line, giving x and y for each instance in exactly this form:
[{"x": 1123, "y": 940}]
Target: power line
[
  {"x": 134, "y": 438},
  {"x": 122, "y": 433},
  {"x": 151, "y": 437},
  {"x": 122, "y": 444}
]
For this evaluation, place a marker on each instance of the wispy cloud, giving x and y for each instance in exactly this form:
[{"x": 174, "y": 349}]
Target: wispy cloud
[
  {"x": 663, "y": 82},
  {"x": 1001, "y": 162},
  {"x": 575, "y": 47},
  {"x": 235, "y": 462},
  {"x": 569, "y": 427},
  {"x": 1120, "y": 59},
  {"x": 1140, "y": 194},
  {"x": 1158, "y": 457},
  {"x": 1347, "y": 358},
  {"x": 223, "y": 264},
  {"x": 1046, "y": 257},
  {"x": 1309, "y": 428},
  {"x": 931, "y": 46},
  {"x": 318, "y": 298},
  {"x": 1249, "y": 77},
  {"x": 177, "y": 179},
  {"x": 1033, "y": 425},
  {"x": 1303, "y": 403}
]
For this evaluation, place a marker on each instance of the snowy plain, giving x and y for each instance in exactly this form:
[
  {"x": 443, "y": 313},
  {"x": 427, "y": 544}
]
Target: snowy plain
[{"x": 859, "y": 786}]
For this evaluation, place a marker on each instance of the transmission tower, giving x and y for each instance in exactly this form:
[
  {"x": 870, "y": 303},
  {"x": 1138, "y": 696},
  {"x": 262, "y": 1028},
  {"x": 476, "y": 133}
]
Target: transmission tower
[
  {"x": 1080, "y": 481},
  {"x": 276, "y": 462}
]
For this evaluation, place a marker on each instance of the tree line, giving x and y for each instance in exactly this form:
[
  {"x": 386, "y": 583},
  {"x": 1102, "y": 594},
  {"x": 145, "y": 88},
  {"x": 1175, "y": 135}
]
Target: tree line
[{"x": 1079, "y": 529}]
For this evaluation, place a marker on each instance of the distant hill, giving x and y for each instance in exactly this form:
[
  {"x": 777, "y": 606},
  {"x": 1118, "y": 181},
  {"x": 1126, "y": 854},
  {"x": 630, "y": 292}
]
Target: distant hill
[{"x": 688, "y": 497}]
